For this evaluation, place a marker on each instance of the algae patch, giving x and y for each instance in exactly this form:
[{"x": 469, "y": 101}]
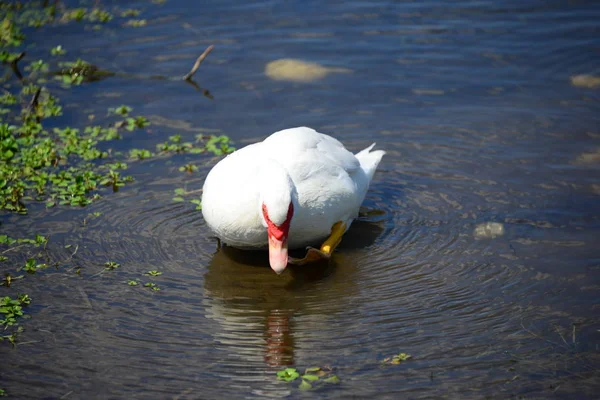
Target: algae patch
[
  {"x": 489, "y": 230},
  {"x": 584, "y": 80},
  {"x": 289, "y": 69}
]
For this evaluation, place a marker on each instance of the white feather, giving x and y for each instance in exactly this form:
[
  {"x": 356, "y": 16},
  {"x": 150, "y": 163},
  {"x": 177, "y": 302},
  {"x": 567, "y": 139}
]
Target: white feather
[{"x": 325, "y": 182}]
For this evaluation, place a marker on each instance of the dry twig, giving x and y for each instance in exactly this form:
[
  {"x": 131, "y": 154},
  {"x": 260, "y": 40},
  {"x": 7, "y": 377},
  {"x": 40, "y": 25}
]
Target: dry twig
[
  {"x": 198, "y": 62},
  {"x": 33, "y": 104}
]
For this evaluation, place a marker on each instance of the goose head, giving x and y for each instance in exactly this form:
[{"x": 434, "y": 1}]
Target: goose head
[{"x": 276, "y": 208}]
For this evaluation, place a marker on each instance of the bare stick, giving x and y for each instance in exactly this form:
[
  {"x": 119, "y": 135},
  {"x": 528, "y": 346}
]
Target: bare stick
[
  {"x": 33, "y": 104},
  {"x": 198, "y": 62}
]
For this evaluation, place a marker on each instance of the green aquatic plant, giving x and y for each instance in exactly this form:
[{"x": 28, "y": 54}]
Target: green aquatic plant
[
  {"x": 11, "y": 309},
  {"x": 217, "y": 145},
  {"x": 75, "y": 72},
  {"x": 121, "y": 110},
  {"x": 99, "y": 15},
  {"x": 396, "y": 359},
  {"x": 113, "y": 178},
  {"x": 180, "y": 194},
  {"x": 111, "y": 265},
  {"x": 58, "y": 51},
  {"x": 174, "y": 144},
  {"x": 131, "y": 12},
  {"x": 12, "y": 338},
  {"x": 8, "y": 279},
  {"x": 51, "y": 166},
  {"x": 312, "y": 376},
  {"x": 152, "y": 286},
  {"x": 153, "y": 273},
  {"x": 305, "y": 385},
  {"x": 140, "y": 154},
  {"x": 188, "y": 168},
  {"x": 136, "y": 123},
  {"x": 10, "y": 33},
  {"x": 8, "y": 99},
  {"x": 38, "y": 66},
  {"x": 136, "y": 23},
  {"x": 31, "y": 266},
  {"x": 75, "y": 14},
  {"x": 198, "y": 204},
  {"x": 102, "y": 134},
  {"x": 288, "y": 374},
  {"x": 39, "y": 240},
  {"x": 332, "y": 379}
]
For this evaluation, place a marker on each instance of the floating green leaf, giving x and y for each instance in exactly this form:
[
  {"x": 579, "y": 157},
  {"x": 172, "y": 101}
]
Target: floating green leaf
[
  {"x": 136, "y": 23},
  {"x": 396, "y": 359},
  {"x": 31, "y": 266},
  {"x": 310, "y": 377},
  {"x": 332, "y": 379},
  {"x": 58, "y": 51},
  {"x": 12, "y": 308},
  {"x": 152, "y": 286},
  {"x": 305, "y": 385},
  {"x": 198, "y": 203},
  {"x": 288, "y": 374},
  {"x": 111, "y": 265}
]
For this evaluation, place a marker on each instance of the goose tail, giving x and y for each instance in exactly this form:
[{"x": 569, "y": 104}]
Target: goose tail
[{"x": 369, "y": 160}]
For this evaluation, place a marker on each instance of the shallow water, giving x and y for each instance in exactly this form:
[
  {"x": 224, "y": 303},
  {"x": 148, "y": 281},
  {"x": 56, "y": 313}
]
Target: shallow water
[{"x": 473, "y": 103}]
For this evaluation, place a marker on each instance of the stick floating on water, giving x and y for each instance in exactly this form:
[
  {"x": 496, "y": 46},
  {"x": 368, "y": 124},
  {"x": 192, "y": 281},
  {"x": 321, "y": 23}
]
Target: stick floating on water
[{"x": 198, "y": 62}]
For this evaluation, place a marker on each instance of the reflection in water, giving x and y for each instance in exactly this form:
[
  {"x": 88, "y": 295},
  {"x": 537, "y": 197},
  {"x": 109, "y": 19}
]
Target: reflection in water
[
  {"x": 263, "y": 314},
  {"x": 279, "y": 346}
]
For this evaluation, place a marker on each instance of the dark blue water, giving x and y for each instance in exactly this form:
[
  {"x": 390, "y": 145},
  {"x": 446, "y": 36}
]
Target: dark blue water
[{"x": 474, "y": 104}]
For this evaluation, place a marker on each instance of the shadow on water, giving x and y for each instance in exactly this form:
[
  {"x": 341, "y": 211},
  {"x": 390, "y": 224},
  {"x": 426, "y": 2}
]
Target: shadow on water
[{"x": 253, "y": 304}]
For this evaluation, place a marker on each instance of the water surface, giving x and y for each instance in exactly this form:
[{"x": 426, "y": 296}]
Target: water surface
[{"x": 474, "y": 105}]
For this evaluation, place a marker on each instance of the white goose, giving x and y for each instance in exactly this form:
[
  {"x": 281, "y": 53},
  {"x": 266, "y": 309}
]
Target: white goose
[{"x": 295, "y": 188}]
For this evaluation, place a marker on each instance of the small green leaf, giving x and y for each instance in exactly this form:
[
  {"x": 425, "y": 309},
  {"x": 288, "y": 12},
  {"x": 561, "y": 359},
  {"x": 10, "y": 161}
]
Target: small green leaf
[
  {"x": 198, "y": 203},
  {"x": 288, "y": 374},
  {"x": 305, "y": 385},
  {"x": 310, "y": 377},
  {"x": 110, "y": 265},
  {"x": 312, "y": 369},
  {"x": 178, "y": 198},
  {"x": 332, "y": 379}
]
